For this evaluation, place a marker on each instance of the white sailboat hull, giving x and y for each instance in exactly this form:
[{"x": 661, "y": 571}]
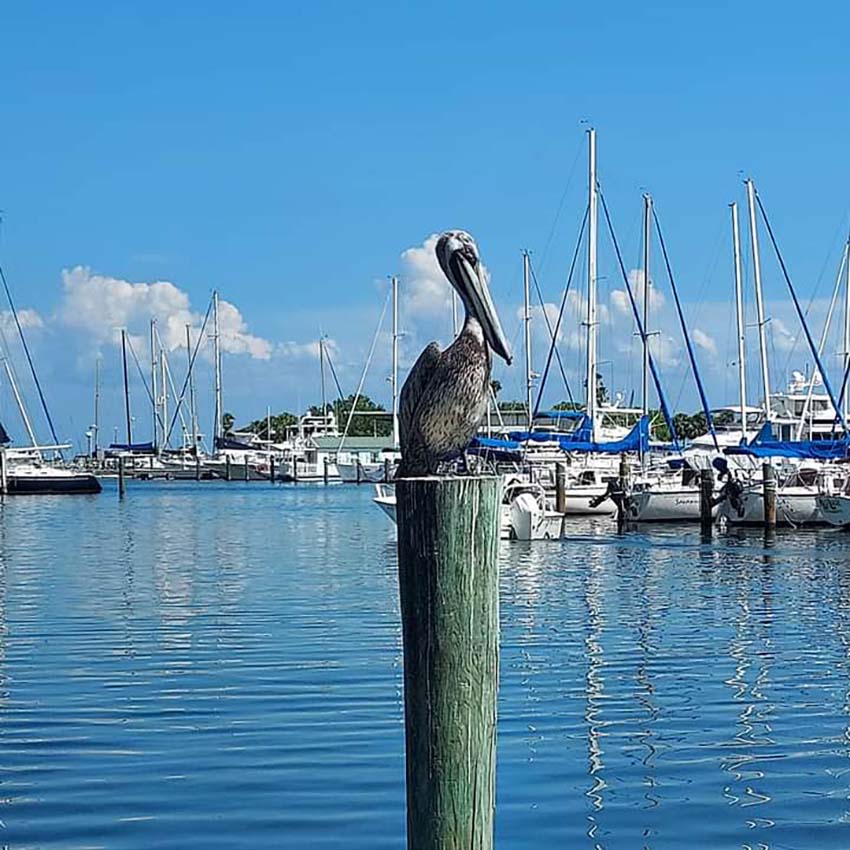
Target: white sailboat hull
[
  {"x": 679, "y": 505},
  {"x": 578, "y": 501},
  {"x": 794, "y": 506}
]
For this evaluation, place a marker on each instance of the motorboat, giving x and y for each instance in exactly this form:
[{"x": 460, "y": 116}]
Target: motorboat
[{"x": 525, "y": 514}]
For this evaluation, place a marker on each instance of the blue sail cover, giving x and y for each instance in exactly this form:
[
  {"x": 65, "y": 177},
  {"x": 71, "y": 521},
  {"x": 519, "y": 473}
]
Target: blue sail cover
[
  {"x": 637, "y": 440},
  {"x": 506, "y": 449},
  {"x": 134, "y": 448},
  {"x": 764, "y": 445},
  {"x": 224, "y": 443}
]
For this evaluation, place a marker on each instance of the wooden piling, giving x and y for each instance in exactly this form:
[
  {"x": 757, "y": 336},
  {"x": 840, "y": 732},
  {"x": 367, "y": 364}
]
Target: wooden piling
[
  {"x": 271, "y": 468},
  {"x": 623, "y": 488},
  {"x": 768, "y": 474},
  {"x": 359, "y": 471},
  {"x": 448, "y": 547},
  {"x": 561, "y": 487},
  {"x": 121, "y": 485},
  {"x": 197, "y": 468},
  {"x": 706, "y": 499},
  {"x": 325, "y": 474},
  {"x": 387, "y": 470},
  {"x": 247, "y": 470},
  {"x": 4, "y": 480},
  {"x": 227, "y": 467}
]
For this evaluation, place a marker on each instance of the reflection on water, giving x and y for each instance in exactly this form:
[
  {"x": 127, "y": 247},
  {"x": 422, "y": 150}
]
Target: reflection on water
[{"x": 219, "y": 666}]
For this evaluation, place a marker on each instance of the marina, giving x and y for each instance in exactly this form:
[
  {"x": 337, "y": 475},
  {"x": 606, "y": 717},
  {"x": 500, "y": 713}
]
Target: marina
[{"x": 424, "y": 427}]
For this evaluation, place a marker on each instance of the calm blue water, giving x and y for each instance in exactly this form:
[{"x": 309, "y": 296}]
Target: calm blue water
[{"x": 218, "y": 666}]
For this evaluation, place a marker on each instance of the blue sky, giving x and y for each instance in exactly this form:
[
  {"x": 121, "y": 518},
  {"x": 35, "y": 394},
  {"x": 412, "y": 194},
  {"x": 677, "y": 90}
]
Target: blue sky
[{"x": 289, "y": 154}]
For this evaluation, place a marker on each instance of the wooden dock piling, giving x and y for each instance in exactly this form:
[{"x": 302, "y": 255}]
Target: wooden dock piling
[
  {"x": 227, "y": 476},
  {"x": 247, "y": 472},
  {"x": 271, "y": 469},
  {"x": 561, "y": 487},
  {"x": 448, "y": 547},
  {"x": 768, "y": 474},
  {"x": 4, "y": 481},
  {"x": 706, "y": 500},
  {"x": 121, "y": 485}
]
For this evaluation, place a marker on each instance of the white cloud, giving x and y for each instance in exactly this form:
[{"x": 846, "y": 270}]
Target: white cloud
[
  {"x": 783, "y": 339},
  {"x": 99, "y": 306},
  {"x": 705, "y": 341},
  {"x": 29, "y": 319},
  {"x": 307, "y": 350},
  {"x": 427, "y": 293}
]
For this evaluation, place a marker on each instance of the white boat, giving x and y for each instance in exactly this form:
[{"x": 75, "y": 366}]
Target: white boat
[
  {"x": 525, "y": 514},
  {"x": 43, "y": 479},
  {"x": 665, "y": 503},
  {"x": 796, "y": 501}
]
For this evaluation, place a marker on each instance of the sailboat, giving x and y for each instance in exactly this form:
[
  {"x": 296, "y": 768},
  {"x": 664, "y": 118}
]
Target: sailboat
[{"x": 799, "y": 465}]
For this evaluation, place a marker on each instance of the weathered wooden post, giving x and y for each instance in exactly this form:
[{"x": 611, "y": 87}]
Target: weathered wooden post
[
  {"x": 387, "y": 467},
  {"x": 561, "y": 487},
  {"x": 271, "y": 468},
  {"x": 325, "y": 474},
  {"x": 623, "y": 487},
  {"x": 448, "y": 546},
  {"x": 4, "y": 481},
  {"x": 768, "y": 474},
  {"x": 247, "y": 469},
  {"x": 359, "y": 472},
  {"x": 121, "y": 477},
  {"x": 197, "y": 468},
  {"x": 227, "y": 467},
  {"x": 706, "y": 499}
]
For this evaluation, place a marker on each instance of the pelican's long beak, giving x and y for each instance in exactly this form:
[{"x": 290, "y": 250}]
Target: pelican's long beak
[{"x": 464, "y": 270}]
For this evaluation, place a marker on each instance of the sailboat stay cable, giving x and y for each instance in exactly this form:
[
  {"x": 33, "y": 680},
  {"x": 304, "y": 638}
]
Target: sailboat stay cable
[
  {"x": 29, "y": 357},
  {"x": 552, "y": 336},
  {"x": 801, "y": 425},
  {"x": 365, "y": 370},
  {"x": 333, "y": 373},
  {"x": 656, "y": 378},
  {"x": 802, "y": 318},
  {"x": 144, "y": 381},
  {"x": 552, "y": 344},
  {"x": 688, "y": 344},
  {"x": 189, "y": 372},
  {"x": 171, "y": 382}
]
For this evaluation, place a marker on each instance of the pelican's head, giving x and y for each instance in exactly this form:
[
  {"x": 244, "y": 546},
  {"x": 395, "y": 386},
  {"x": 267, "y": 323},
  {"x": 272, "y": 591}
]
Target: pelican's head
[{"x": 457, "y": 254}]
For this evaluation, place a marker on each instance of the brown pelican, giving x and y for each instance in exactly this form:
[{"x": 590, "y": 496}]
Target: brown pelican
[{"x": 446, "y": 393}]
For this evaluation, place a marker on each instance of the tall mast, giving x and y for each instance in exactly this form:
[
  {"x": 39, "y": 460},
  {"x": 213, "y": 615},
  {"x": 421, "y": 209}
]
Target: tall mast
[
  {"x": 154, "y": 398},
  {"x": 394, "y": 378},
  {"x": 96, "y": 426},
  {"x": 193, "y": 415},
  {"x": 219, "y": 412},
  {"x": 590, "y": 404},
  {"x": 322, "y": 374},
  {"x": 19, "y": 401},
  {"x": 739, "y": 316},
  {"x": 846, "y": 340},
  {"x": 529, "y": 375},
  {"x": 647, "y": 235},
  {"x": 126, "y": 387},
  {"x": 762, "y": 321},
  {"x": 163, "y": 366}
]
